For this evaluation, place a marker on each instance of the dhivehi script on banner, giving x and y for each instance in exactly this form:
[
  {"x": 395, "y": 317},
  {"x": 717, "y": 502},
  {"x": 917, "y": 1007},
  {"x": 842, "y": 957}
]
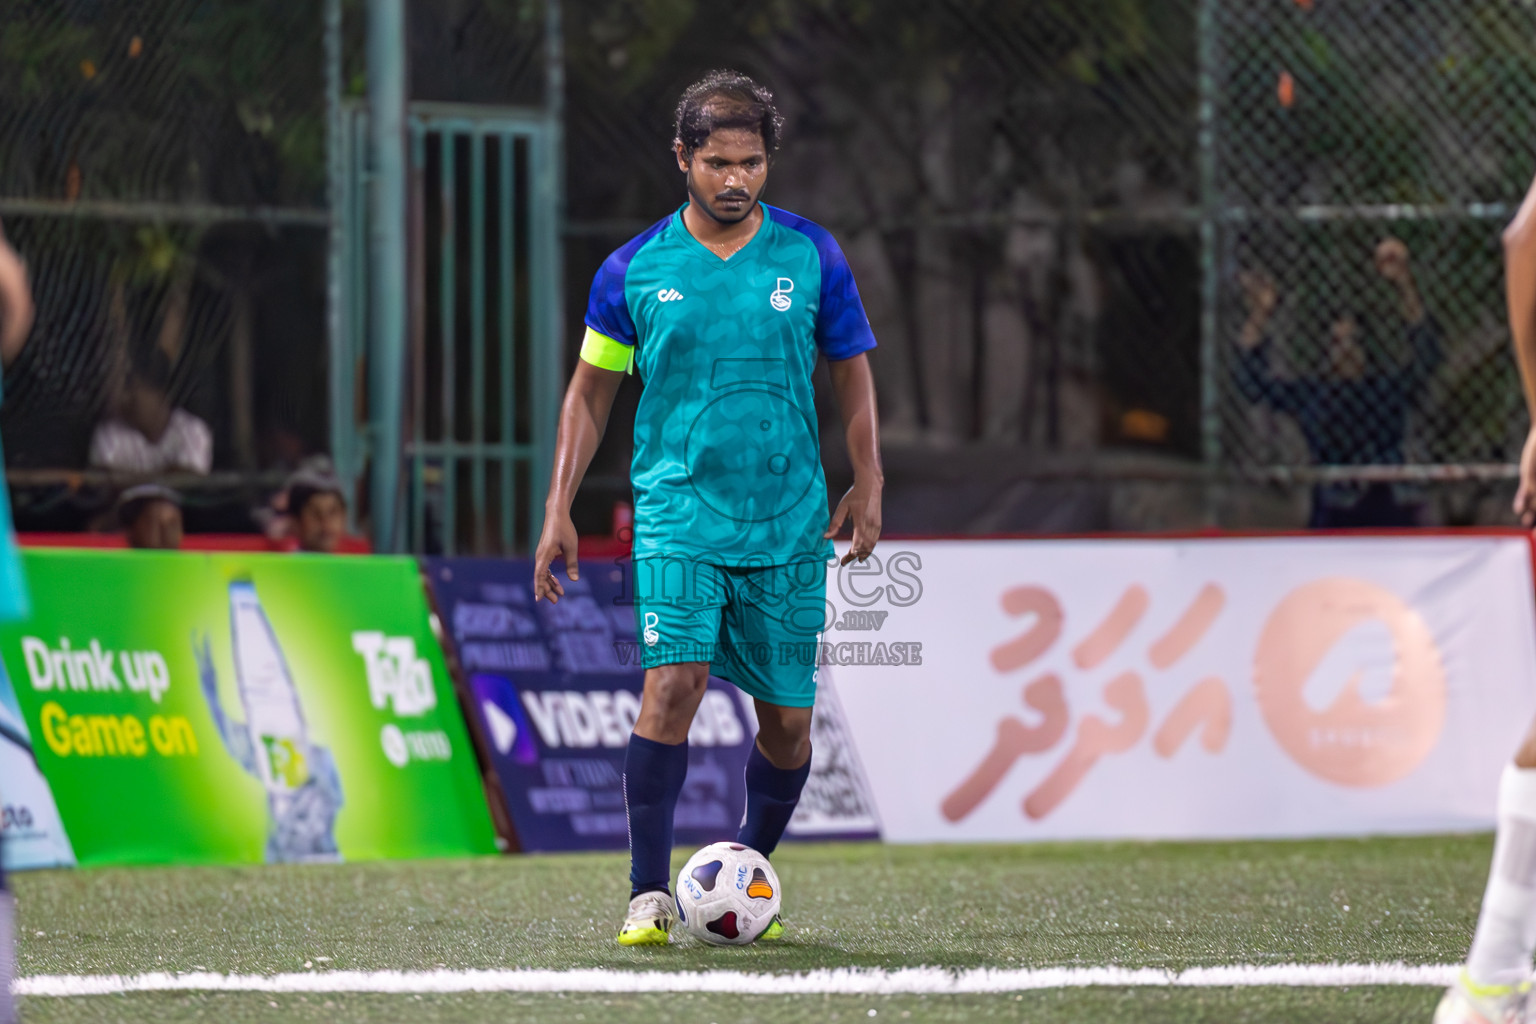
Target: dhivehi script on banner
[{"x": 1285, "y": 686}]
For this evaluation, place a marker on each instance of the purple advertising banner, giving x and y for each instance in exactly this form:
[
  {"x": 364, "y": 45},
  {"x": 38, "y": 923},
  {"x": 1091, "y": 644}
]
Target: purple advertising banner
[
  {"x": 556, "y": 702},
  {"x": 556, "y": 689}
]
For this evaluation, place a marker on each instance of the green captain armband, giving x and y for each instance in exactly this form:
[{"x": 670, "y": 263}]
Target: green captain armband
[{"x": 606, "y": 354}]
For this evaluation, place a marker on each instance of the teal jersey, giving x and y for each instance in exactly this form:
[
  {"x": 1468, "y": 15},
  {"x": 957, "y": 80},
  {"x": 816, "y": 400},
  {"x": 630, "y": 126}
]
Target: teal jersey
[
  {"x": 727, "y": 463},
  {"x": 14, "y": 600}
]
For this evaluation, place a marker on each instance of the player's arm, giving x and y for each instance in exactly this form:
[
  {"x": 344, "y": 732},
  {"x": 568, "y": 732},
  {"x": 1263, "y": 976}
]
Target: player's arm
[
  {"x": 854, "y": 386},
  {"x": 583, "y": 417},
  {"x": 15, "y": 303},
  {"x": 1520, "y": 296}
]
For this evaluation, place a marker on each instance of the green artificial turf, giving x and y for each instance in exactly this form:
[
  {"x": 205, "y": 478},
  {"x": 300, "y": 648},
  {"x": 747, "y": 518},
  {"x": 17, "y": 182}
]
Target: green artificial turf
[
  {"x": 1163, "y": 905},
  {"x": 1183, "y": 1006}
]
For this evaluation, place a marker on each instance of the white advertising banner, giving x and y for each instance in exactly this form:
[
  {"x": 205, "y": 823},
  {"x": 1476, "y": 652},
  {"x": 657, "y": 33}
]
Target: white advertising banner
[{"x": 1286, "y": 686}]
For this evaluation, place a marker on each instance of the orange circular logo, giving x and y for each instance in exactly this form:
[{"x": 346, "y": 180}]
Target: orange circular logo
[{"x": 1353, "y": 741}]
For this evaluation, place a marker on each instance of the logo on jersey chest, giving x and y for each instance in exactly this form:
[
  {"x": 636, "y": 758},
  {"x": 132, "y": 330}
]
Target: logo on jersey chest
[
  {"x": 669, "y": 295},
  {"x": 779, "y": 298}
]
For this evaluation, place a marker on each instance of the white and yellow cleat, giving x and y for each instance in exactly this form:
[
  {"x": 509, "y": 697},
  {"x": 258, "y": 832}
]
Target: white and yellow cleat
[
  {"x": 649, "y": 921},
  {"x": 1467, "y": 1002}
]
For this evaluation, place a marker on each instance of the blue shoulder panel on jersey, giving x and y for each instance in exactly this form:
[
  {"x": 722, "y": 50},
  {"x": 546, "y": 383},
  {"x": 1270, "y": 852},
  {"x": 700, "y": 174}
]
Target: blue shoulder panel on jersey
[
  {"x": 607, "y": 309},
  {"x": 842, "y": 326}
]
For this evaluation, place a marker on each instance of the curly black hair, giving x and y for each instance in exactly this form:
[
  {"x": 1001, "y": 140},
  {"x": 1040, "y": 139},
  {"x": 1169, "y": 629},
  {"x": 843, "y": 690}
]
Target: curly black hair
[{"x": 726, "y": 99}]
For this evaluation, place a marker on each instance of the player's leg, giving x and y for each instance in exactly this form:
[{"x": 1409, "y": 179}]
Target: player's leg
[
  {"x": 7, "y": 950},
  {"x": 1495, "y": 985},
  {"x": 771, "y": 626},
  {"x": 778, "y": 612},
  {"x": 677, "y": 616},
  {"x": 655, "y": 766},
  {"x": 777, "y": 767}
]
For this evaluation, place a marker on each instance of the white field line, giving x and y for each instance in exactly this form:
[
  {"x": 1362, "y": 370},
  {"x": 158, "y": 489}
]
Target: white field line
[{"x": 906, "y": 981}]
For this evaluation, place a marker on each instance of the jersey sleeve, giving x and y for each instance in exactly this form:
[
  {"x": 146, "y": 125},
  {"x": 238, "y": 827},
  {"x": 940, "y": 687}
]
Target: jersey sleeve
[
  {"x": 610, "y": 337},
  {"x": 842, "y": 326}
]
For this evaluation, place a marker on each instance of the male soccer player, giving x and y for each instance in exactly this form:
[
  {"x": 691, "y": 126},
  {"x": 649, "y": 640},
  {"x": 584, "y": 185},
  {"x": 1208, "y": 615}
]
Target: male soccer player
[
  {"x": 724, "y": 307},
  {"x": 15, "y": 324},
  {"x": 1495, "y": 985}
]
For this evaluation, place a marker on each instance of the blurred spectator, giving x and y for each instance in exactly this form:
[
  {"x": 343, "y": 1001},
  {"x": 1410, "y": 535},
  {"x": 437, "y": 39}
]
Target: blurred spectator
[
  {"x": 146, "y": 434},
  {"x": 1356, "y": 413},
  {"x": 15, "y": 301},
  {"x": 151, "y": 517},
  {"x": 317, "y": 505}
]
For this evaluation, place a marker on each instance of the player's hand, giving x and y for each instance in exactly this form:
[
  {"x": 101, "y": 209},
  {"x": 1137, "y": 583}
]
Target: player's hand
[
  {"x": 1391, "y": 259},
  {"x": 557, "y": 541},
  {"x": 862, "y": 502},
  {"x": 1525, "y": 496}
]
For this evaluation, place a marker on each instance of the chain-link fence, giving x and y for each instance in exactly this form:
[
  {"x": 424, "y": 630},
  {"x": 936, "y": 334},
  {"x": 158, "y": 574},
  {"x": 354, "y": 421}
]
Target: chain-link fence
[
  {"x": 1062, "y": 215},
  {"x": 1123, "y": 256},
  {"x": 1015, "y": 186},
  {"x": 1365, "y": 158},
  {"x": 162, "y": 171}
]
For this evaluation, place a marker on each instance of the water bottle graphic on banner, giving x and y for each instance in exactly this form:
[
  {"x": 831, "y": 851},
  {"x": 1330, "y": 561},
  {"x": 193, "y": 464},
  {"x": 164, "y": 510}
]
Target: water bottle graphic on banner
[
  {"x": 303, "y": 788},
  {"x": 272, "y": 711}
]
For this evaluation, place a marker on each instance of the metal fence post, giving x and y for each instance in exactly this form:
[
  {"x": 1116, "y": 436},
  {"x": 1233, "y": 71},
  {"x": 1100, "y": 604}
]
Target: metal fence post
[
  {"x": 1210, "y": 262},
  {"x": 342, "y": 429},
  {"x": 388, "y": 287},
  {"x": 549, "y": 317}
]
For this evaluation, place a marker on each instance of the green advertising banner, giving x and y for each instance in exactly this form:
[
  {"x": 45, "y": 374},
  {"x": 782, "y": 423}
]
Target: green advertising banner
[{"x": 219, "y": 708}]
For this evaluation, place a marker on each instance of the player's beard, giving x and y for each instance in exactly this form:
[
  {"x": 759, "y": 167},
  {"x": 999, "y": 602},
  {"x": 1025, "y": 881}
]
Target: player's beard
[{"x": 707, "y": 204}]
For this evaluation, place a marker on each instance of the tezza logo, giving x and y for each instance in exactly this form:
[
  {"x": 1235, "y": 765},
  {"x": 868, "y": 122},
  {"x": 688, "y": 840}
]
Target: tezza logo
[
  {"x": 396, "y": 676},
  {"x": 669, "y": 295},
  {"x": 779, "y": 299}
]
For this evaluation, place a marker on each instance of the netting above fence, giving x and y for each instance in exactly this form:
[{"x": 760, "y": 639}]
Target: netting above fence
[
  {"x": 1029, "y": 184},
  {"x": 163, "y": 173},
  {"x": 1103, "y": 237},
  {"x": 1062, "y": 215},
  {"x": 176, "y": 101},
  {"x": 1366, "y": 156},
  {"x": 1013, "y": 183}
]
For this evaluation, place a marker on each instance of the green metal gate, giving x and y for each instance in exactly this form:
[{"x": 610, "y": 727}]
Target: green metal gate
[{"x": 482, "y": 374}]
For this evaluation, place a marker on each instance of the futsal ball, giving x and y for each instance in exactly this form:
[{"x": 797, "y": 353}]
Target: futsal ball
[{"x": 727, "y": 894}]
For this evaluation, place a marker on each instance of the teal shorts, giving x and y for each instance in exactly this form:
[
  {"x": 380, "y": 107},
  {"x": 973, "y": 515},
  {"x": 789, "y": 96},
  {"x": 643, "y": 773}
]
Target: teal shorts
[{"x": 757, "y": 627}]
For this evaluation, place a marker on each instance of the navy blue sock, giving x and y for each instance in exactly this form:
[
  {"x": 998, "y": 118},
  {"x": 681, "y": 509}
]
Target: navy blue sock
[
  {"x": 772, "y": 794},
  {"x": 653, "y": 778}
]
